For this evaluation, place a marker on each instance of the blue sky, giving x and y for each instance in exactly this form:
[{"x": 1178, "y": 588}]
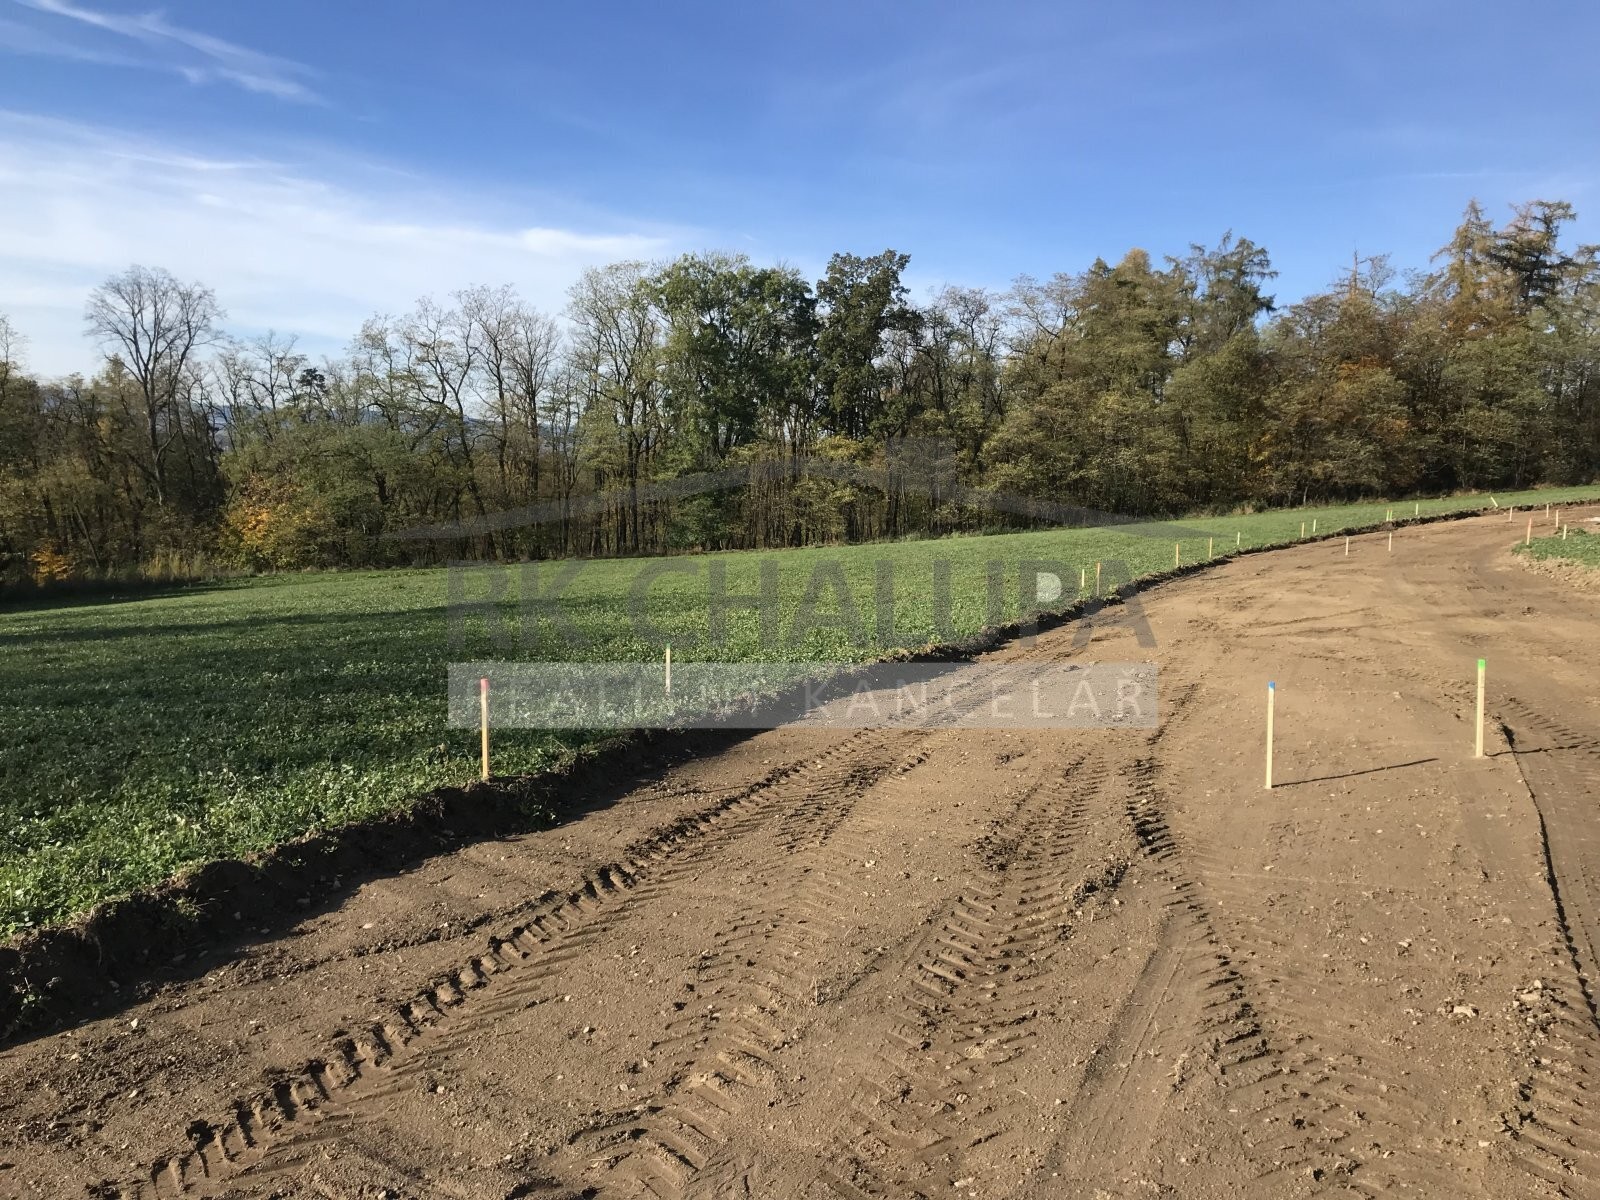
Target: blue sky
[{"x": 319, "y": 162}]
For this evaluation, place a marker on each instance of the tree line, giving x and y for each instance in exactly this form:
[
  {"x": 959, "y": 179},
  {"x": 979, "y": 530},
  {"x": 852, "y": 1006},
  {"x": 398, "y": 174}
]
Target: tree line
[{"x": 1141, "y": 388}]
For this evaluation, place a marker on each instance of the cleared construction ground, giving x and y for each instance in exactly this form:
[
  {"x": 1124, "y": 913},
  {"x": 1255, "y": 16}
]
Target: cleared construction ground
[{"x": 993, "y": 963}]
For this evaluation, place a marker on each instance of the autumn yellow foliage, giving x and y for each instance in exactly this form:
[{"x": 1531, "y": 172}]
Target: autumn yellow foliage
[
  {"x": 274, "y": 524},
  {"x": 49, "y": 565}
]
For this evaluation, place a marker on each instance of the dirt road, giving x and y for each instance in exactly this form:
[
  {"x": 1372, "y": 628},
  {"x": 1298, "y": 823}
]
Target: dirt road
[{"x": 901, "y": 963}]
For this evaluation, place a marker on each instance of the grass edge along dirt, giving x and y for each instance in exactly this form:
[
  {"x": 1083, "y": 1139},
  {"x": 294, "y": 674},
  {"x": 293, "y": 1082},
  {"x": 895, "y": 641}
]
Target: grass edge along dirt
[
  {"x": 1580, "y": 546},
  {"x": 149, "y": 736}
]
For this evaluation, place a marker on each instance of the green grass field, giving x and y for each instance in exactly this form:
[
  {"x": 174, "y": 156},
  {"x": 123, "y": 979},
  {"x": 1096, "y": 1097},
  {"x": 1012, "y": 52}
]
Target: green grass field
[
  {"x": 147, "y": 735},
  {"x": 1581, "y": 546}
]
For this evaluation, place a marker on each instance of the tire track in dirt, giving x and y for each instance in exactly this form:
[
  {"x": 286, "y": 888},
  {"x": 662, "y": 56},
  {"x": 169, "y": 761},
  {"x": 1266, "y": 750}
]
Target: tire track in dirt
[
  {"x": 801, "y": 803},
  {"x": 966, "y": 1004},
  {"x": 1557, "y": 1124},
  {"x": 363, "y": 1064},
  {"x": 1322, "y": 1107},
  {"x": 1316, "y": 1105},
  {"x": 973, "y": 994},
  {"x": 1188, "y": 1009},
  {"x": 1332, "y": 1108},
  {"x": 772, "y": 968},
  {"x": 769, "y": 969},
  {"x": 996, "y": 965}
]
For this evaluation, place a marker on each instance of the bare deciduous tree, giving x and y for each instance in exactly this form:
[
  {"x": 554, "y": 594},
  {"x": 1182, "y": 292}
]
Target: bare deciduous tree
[
  {"x": 257, "y": 380},
  {"x": 616, "y": 347},
  {"x": 154, "y": 325},
  {"x": 11, "y": 343}
]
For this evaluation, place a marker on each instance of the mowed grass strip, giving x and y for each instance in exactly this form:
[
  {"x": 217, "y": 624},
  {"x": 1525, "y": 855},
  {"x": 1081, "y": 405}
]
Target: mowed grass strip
[{"x": 145, "y": 736}]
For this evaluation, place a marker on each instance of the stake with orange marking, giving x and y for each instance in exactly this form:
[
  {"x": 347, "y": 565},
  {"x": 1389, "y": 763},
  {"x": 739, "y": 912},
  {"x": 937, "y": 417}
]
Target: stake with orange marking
[
  {"x": 483, "y": 712},
  {"x": 1528, "y": 539},
  {"x": 1097, "y": 579}
]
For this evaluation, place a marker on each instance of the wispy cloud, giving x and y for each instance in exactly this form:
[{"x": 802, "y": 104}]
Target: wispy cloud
[
  {"x": 19, "y": 38},
  {"x": 198, "y": 57},
  {"x": 289, "y": 246}
]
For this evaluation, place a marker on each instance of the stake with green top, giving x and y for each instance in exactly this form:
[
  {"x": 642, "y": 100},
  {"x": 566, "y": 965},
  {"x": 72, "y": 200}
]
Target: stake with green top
[{"x": 1478, "y": 751}]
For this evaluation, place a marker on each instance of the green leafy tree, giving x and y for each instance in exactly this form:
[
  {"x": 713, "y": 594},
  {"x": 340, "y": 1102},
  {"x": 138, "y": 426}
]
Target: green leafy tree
[{"x": 862, "y": 300}]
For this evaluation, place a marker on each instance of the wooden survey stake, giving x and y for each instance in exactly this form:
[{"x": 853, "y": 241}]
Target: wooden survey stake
[
  {"x": 483, "y": 714},
  {"x": 1272, "y": 695},
  {"x": 1478, "y": 749}
]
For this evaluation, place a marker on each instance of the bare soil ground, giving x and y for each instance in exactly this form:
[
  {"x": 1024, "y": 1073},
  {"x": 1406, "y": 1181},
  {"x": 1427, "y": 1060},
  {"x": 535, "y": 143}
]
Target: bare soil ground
[{"x": 912, "y": 963}]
